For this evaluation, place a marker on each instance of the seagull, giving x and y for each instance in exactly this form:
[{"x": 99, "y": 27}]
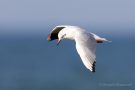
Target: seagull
[{"x": 85, "y": 42}]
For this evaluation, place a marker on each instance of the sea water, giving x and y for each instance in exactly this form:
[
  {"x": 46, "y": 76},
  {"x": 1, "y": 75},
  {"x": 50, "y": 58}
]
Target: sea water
[{"x": 36, "y": 64}]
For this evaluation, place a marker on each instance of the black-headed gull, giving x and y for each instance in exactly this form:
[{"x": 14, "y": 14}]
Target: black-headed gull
[{"x": 85, "y": 42}]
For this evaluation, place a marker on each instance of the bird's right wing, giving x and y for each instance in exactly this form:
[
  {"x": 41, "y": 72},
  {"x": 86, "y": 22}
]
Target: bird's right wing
[{"x": 86, "y": 47}]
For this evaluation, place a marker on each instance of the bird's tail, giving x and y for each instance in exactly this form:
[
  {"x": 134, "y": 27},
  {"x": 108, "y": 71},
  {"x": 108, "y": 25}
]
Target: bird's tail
[
  {"x": 105, "y": 40},
  {"x": 99, "y": 39}
]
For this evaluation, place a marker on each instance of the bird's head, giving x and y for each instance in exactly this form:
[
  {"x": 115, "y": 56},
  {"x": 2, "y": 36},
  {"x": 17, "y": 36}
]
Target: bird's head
[{"x": 62, "y": 32}]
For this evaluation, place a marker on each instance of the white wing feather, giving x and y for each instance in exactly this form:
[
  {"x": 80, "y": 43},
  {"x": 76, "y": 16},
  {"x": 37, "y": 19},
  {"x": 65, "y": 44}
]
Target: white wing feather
[{"x": 86, "y": 47}]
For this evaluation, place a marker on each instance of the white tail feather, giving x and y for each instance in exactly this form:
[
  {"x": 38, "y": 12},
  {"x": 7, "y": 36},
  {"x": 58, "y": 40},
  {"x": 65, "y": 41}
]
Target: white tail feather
[
  {"x": 99, "y": 38},
  {"x": 105, "y": 40}
]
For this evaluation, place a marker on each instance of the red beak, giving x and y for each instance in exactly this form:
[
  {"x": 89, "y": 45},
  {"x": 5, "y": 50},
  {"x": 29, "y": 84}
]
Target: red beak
[
  {"x": 49, "y": 37},
  {"x": 58, "y": 42}
]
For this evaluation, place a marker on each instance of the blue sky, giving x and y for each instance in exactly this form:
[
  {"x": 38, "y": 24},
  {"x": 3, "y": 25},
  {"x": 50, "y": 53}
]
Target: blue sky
[{"x": 37, "y": 15}]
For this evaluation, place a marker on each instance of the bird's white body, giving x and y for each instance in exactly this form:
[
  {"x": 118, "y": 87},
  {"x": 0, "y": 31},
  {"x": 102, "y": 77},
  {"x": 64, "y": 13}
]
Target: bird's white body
[{"x": 85, "y": 43}]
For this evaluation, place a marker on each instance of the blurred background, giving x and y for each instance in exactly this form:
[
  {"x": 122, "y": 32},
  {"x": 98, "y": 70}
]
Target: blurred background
[{"x": 29, "y": 62}]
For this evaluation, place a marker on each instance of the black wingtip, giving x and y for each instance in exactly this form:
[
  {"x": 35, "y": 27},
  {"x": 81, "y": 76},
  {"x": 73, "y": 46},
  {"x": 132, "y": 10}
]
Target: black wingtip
[{"x": 93, "y": 67}]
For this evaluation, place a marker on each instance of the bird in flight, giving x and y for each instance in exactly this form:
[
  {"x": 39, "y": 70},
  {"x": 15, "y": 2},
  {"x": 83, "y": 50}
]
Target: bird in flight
[{"x": 85, "y": 42}]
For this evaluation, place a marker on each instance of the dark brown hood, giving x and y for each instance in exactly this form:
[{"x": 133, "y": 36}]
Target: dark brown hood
[{"x": 54, "y": 34}]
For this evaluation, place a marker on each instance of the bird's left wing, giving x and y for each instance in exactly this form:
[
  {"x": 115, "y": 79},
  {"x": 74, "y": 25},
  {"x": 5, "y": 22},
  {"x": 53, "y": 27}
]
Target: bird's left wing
[{"x": 86, "y": 47}]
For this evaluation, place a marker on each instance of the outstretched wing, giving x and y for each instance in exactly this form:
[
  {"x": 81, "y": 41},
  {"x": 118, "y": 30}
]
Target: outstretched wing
[{"x": 86, "y": 47}]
